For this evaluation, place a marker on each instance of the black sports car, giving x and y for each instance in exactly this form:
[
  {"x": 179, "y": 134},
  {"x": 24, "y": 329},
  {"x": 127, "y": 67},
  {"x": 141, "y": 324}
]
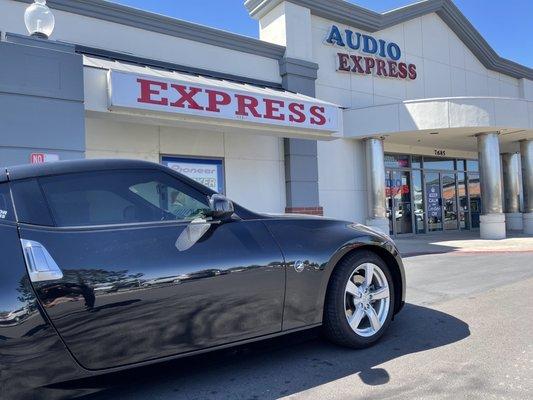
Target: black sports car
[{"x": 109, "y": 264}]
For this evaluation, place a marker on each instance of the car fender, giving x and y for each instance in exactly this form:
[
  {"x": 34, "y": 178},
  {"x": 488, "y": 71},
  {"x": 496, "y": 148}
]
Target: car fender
[{"x": 383, "y": 247}]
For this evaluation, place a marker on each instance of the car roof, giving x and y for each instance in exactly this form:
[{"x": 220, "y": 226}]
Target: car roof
[
  {"x": 73, "y": 166},
  {"x": 66, "y": 167}
]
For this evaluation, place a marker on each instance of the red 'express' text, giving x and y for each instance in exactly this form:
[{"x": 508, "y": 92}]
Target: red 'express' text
[
  {"x": 216, "y": 101},
  {"x": 374, "y": 65}
]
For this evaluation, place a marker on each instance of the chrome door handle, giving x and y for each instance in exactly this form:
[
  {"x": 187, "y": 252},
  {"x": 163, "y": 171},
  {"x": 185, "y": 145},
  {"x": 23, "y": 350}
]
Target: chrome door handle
[{"x": 40, "y": 264}]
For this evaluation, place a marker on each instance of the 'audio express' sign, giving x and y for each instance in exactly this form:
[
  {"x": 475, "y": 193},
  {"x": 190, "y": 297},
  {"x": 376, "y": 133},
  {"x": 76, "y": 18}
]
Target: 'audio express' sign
[{"x": 378, "y": 57}]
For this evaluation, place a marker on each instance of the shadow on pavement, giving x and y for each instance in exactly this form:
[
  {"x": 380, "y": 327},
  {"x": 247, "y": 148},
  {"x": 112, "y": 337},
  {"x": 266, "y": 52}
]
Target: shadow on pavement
[
  {"x": 283, "y": 366},
  {"x": 412, "y": 248}
]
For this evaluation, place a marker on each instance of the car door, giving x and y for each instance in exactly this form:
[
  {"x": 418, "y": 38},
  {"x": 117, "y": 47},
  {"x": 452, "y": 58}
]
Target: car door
[{"x": 130, "y": 290}]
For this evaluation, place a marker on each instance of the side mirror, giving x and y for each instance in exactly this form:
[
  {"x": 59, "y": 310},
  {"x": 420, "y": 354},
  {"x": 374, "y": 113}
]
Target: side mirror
[{"x": 221, "y": 207}]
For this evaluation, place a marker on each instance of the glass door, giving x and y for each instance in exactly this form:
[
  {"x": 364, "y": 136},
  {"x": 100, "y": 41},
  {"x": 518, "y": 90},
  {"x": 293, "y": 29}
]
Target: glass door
[
  {"x": 399, "y": 201},
  {"x": 389, "y": 190},
  {"x": 418, "y": 200},
  {"x": 433, "y": 201},
  {"x": 463, "y": 206},
  {"x": 449, "y": 197},
  {"x": 474, "y": 193}
]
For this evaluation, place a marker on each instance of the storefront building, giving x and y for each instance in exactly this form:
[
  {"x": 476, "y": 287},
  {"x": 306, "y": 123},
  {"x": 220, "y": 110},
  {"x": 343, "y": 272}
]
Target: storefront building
[{"x": 407, "y": 121}]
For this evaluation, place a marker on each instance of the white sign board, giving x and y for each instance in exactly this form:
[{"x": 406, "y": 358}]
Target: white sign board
[
  {"x": 207, "y": 172},
  {"x": 131, "y": 91}
]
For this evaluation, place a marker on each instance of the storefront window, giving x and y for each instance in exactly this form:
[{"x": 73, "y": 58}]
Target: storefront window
[
  {"x": 464, "y": 213},
  {"x": 474, "y": 192},
  {"x": 472, "y": 165},
  {"x": 208, "y": 172},
  {"x": 442, "y": 164},
  {"x": 396, "y": 161},
  {"x": 418, "y": 198},
  {"x": 399, "y": 201},
  {"x": 416, "y": 161},
  {"x": 449, "y": 201},
  {"x": 427, "y": 194}
]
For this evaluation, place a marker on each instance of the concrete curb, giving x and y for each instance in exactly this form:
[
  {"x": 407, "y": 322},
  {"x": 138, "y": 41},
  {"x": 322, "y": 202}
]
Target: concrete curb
[{"x": 465, "y": 252}]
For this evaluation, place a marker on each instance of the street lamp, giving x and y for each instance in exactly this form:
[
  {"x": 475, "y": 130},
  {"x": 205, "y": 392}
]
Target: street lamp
[{"x": 39, "y": 20}]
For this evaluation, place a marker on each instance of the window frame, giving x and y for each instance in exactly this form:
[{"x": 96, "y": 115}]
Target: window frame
[
  {"x": 197, "y": 160},
  {"x": 9, "y": 218}
]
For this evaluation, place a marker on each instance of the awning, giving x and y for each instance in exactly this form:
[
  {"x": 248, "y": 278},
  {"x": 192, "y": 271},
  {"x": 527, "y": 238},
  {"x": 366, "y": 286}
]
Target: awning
[{"x": 148, "y": 91}]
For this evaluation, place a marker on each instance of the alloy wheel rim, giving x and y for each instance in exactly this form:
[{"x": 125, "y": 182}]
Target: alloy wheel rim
[{"x": 367, "y": 299}]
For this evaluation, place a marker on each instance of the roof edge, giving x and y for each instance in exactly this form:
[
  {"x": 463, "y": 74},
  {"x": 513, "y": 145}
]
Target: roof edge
[
  {"x": 128, "y": 58},
  {"x": 120, "y": 14},
  {"x": 358, "y": 17}
]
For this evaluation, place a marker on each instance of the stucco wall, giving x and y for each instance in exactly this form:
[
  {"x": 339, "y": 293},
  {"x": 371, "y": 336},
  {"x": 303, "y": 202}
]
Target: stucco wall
[
  {"x": 341, "y": 177},
  {"x": 445, "y": 67},
  {"x": 77, "y": 29},
  {"x": 254, "y": 166}
]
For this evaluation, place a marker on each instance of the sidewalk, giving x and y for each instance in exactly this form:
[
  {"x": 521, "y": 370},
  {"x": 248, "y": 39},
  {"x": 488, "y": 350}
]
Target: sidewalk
[{"x": 465, "y": 242}]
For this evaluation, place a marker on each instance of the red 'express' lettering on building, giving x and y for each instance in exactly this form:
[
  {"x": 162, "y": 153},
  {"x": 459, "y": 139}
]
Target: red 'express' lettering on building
[
  {"x": 318, "y": 117},
  {"x": 412, "y": 71},
  {"x": 297, "y": 114},
  {"x": 148, "y": 89},
  {"x": 374, "y": 65},
  {"x": 402, "y": 70},
  {"x": 381, "y": 70},
  {"x": 186, "y": 96},
  {"x": 216, "y": 99},
  {"x": 175, "y": 95},
  {"x": 272, "y": 109},
  {"x": 245, "y": 103}
]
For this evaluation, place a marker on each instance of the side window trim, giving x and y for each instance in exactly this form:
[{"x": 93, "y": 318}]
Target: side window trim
[
  {"x": 5, "y": 218},
  {"x": 29, "y": 203},
  {"x": 52, "y": 216},
  {"x": 124, "y": 225}
]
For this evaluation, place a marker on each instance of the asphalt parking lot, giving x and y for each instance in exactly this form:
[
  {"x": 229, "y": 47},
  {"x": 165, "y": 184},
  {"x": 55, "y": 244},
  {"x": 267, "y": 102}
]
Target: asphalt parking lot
[{"x": 465, "y": 333}]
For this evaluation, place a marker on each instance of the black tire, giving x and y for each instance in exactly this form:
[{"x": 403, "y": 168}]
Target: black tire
[{"x": 336, "y": 326}]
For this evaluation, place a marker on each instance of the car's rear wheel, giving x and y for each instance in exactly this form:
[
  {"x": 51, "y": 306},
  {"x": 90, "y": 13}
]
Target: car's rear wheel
[{"x": 359, "y": 301}]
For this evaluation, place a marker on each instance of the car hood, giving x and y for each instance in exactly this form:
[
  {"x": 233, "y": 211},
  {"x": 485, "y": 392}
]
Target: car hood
[{"x": 359, "y": 228}]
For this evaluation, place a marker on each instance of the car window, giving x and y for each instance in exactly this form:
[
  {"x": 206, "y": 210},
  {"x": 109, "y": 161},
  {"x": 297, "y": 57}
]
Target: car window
[
  {"x": 170, "y": 199},
  {"x": 30, "y": 203},
  {"x": 119, "y": 197},
  {"x": 6, "y": 205}
]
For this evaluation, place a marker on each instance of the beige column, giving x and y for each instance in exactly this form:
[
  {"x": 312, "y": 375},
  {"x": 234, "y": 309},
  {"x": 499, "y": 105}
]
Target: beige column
[
  {"x": 511, "y": 191},
  {"x": 492, "y": 221},
  {"x": 526, "y": 152},
  {"x": 375, "y": 185}
]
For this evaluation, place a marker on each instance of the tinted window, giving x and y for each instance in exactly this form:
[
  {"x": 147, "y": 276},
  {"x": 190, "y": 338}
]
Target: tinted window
[
  {"x": 472, "y": 165},
  {"x": 439, "y": 163},
  {"x": 6, "y": 206},
  {"x": 396, "y": 161},
  {"x": 416, "y": 161},
  {"x": 30, "y": 203},
  {"x": 119, "y": 197}
]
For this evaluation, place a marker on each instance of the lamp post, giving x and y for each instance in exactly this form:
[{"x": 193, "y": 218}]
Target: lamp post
[{"x": 39, "y": 20}]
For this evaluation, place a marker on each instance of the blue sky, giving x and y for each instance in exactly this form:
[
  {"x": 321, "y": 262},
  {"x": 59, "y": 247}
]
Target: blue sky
[{"x": 505, "y": 25}]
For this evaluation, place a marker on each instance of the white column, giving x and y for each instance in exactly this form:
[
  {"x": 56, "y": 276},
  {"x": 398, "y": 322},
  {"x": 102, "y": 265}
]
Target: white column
[
  {"x": 492, "y": 221},
  {"x": 511, "y": 191},
  {"x": 375, "y": 182},
  {"x": 526, "y": 151}
]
